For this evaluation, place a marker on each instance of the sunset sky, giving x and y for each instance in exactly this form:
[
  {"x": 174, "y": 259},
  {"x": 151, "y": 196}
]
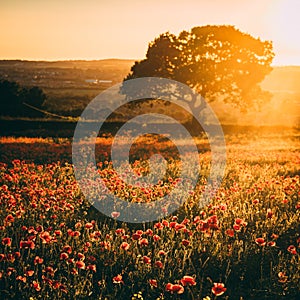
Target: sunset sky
[{"x": 75, "y": 29}]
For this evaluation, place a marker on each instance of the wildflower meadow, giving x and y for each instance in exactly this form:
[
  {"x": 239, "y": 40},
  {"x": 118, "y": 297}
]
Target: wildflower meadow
[{"x": 243, "y": 244}]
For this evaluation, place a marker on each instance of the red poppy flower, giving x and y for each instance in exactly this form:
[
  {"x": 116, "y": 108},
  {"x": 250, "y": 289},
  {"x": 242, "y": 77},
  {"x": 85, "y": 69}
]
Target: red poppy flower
[
  {"x": 282, "y": 277},
  {"x": 136, "y": 236},
  {"x": 177, "y": 288},
  {"x": 149, "y": 232},
  {"x": 118, "y": 279},
  {"x": 169, "y": 287},
  {"x": 159, "y": 264},
  {"x": 153, "y": 282},
  {"x": 80, "y": 264},
  {"x": 29, "y": 273},
  {"x": 80, "y": 255},
  {"x": 203, "y": 226},
  {"x": 38, "y": 260},
  {"x": 218, "y": 289},
  {"x": 260, "y": 241},
  {"x": 174, "y": 288},
  {"x": 9, "y": 219},
  {"x": 71, "y": 261},
  {"x": 165, "y": 223},
  {"x": 185, "y": 242},
  {"x": 124, "y": 246},
  {"x": 39, "y": 228},
  {"x": 158, "y": 225},
  {"x": 89, "y": 225},
  {"x": 223, "y": 206},
  {"x": 143, "y": 242},
  {"x": 76, "y": 233},
  {"x": 120, "y": 231},
  {"x": 27, "y": 245},
  {"x": 96, "y": 233},
  {"x": 241, "y": 222},
  {"x": 269, "y": 213},
  {"x": 6, "y": 241},
  {"x": 179, "y": 226},
  {"x": 156, "y": 237},
  {"x": 146, "y": 260},
  {"x": 45, "y": 237},
  {"x": 196, "y": 219},
  {"x": 21, "y": 278},
  {"x": 292, "y": 249},
  {"x": 237, "y": 227},
  {"x": 64, "y": 256},
  {"x": 230, "y": 232},
  {"x": 115, "y": 214},
  {"x": 91, "y": 267},
  {"x": 78, "y": 225},
  {"x": 67, "y": 249},
  {"x": 188, "y": 280},
  {"x": 172, "y": 224},
  {"x": 36, "y": 286},
  {"x": 238, "y": 221},
  {"x": 58, "y": 232}
]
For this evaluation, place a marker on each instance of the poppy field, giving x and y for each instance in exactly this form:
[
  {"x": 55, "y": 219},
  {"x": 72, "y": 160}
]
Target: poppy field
[{"x": 244, "y": 244}]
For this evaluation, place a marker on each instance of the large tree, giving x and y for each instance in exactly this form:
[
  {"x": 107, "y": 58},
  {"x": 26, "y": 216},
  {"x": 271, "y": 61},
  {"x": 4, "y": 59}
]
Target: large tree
[{"x": 217, "y": 62}]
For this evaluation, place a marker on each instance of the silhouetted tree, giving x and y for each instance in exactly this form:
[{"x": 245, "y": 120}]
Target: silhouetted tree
[
  {"x": 218, "y": 62},
  {"x": 13, "y": 98},
  {"x": 10, "y": 101}
]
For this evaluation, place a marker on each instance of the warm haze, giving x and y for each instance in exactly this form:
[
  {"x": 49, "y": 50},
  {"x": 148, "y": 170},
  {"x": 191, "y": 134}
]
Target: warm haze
[{"x": 56, "y": 30}]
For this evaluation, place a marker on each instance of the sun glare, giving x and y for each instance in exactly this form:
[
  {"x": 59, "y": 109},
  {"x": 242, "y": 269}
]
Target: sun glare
[{"x": 286, "y": 24}]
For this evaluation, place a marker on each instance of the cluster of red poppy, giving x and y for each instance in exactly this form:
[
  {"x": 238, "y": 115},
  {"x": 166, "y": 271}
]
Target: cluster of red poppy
[{"x": 49, "y": 244}]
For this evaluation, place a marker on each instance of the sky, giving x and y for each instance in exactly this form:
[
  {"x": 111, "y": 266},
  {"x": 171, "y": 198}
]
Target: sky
[{"x": 98, "y": 29}]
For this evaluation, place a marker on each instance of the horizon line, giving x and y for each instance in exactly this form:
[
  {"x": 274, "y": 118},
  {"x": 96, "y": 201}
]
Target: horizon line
[{"x": 101, "y": 59}]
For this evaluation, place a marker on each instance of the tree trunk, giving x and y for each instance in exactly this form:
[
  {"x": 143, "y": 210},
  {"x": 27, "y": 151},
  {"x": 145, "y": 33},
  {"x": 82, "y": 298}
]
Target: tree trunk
[{"x": 197, "y": 104}]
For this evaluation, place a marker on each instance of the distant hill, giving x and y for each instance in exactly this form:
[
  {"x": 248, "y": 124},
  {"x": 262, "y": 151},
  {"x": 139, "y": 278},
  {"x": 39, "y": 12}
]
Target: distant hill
[
  {"x": 283, "y": 79},
  {"x": 81, "y": 64},
  {"x": 286, "y": 78},
  {"x": 71, "y": 73}
]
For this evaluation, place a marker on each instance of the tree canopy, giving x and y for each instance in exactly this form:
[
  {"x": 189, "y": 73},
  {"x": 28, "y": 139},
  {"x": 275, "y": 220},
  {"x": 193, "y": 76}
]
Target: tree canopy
[{"x": 218, "y": 62}]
